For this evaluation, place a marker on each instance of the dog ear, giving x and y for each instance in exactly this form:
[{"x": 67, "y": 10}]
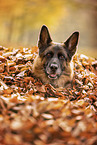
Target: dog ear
[
  {"x": 71, "y": 44},
  {"x": 44, "y": 38}
]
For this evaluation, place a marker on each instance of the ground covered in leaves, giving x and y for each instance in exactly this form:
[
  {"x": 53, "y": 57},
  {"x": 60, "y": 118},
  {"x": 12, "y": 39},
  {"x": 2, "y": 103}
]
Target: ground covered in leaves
[{"x": 35, "y": 114}]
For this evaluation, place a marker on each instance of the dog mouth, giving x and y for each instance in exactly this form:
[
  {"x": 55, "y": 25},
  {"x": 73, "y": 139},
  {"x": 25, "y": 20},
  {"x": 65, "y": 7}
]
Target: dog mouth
[{"x": 52, "y": 76}]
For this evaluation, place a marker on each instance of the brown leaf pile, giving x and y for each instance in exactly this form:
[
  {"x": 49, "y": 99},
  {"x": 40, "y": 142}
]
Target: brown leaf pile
[{"x": 35, "y": 114}]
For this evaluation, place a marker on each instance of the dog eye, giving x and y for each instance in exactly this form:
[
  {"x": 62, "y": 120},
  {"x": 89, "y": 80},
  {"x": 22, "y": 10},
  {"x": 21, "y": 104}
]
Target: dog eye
[
  {"x": 61, "y": 57},
  {"x": 49, "y": 55}
]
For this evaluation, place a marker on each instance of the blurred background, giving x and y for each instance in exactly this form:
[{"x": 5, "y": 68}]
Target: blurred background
[{"x": 21, "y": 20}]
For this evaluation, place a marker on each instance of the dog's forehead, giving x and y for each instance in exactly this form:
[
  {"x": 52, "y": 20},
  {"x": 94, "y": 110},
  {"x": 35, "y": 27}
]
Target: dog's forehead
[{"x": 56, "y": 48}]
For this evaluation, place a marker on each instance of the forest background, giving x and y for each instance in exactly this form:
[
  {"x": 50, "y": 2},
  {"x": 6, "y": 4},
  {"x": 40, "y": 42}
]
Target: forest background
[{"x": 20, "y": 22}]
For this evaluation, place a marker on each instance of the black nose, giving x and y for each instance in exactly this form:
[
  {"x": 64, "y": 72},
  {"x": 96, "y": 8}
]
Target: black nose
[{"x": 54, "y": 67}]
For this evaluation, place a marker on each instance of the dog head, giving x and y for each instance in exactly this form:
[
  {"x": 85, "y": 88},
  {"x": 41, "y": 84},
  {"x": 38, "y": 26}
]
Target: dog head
[{"x": 56, "y": 57}]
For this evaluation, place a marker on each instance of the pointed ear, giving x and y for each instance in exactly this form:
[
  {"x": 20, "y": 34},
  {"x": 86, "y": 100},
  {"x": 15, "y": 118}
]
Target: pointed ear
[
  {"x": 71, "y": 44},
  {"x": 44, "y": 38}
]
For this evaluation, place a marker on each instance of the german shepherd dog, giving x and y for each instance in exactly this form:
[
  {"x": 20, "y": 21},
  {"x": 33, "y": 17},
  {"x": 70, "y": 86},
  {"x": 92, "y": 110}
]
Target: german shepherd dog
[{"x": 53, "y": 64}]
